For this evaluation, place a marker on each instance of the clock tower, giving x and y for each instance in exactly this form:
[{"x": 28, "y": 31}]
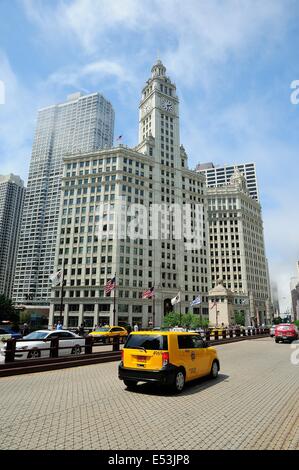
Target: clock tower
[{"x": 159, "y": 118}]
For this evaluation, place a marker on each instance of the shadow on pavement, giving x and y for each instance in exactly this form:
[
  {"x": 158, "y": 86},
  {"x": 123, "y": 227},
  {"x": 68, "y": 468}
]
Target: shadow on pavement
[{"x": 195, "y": 386}]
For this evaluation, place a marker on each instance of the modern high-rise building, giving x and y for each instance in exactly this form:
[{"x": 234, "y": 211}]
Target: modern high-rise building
[
  {"x": 99, "y": 237},
  {"x": 220, "y": 175},
  {"x": 81, "y": 124},
  {"x": 236, "y": 245},
  {"x": 12, "y": 193}
]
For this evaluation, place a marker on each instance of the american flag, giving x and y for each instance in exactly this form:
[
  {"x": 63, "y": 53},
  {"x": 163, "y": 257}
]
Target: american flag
[
  {"x": 110, "y": 286},
  {"x": 148, "y": 293}
]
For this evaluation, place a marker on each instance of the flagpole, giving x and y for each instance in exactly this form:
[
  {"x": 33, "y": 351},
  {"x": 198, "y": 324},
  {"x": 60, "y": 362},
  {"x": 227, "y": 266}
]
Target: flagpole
[
  {"x": 114, "y": 299},
  {"x": 153, "y": 308},
  {"x": 180, "y": 310},
  {"x": 62, "y": 293}
]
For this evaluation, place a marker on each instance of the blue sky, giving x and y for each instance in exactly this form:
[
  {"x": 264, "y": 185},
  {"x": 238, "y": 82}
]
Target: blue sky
[{"x": 233, "y": 63}]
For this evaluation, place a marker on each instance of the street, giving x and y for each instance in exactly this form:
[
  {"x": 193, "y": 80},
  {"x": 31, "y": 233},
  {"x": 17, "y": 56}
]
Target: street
[{"x": 252, "y": 405}]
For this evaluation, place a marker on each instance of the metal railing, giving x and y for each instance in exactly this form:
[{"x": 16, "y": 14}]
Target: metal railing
[{"x": 54, "y": 347}]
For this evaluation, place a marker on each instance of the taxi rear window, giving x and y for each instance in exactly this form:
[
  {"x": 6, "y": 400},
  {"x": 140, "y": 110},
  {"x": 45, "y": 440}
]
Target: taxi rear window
[{"x": 151, "y": 342}]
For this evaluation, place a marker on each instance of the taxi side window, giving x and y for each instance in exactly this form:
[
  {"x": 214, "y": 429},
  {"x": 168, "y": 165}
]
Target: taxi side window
[
  {"x": 185, "y": 342},
  {"x": 197, "y": 342}
]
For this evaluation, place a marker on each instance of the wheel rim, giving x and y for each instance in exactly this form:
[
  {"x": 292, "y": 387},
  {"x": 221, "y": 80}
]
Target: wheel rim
[
  {"x": 215, "y": 369},
  {"x": 34, "y": 354},
  {"x": 180, "y": 381},
  {"x": 77, "y": 350}
]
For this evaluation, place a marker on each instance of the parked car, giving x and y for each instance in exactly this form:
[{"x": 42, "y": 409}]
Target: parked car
[
  {"x": 7, "y": 330},
  {"x": 286, "y": 332},
  {"x": 33, "y": 345},
  {"x": 104, "y": 334},
  {"x": 167, "y": 357}
]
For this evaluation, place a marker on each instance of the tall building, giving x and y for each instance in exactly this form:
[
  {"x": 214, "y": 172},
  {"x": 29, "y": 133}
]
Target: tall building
[
  {"x": 12, "y": 193},
  {"x": 275, "y": 299},
  {"x": 220, "y": 175},
  {"x": 237, "y": 250},
  {"x": 94, "y": 243},
  {"x": 83, "y": 123}
]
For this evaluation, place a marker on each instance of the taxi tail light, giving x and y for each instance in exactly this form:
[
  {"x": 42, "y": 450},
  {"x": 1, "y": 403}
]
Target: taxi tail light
[{"x": 165, "y": 358}]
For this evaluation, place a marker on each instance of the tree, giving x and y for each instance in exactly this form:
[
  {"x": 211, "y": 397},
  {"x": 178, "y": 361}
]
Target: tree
[
  {"x": 171, "y": 319},
  {"x": 277, "y": 320},
  {"x": 240, "y": 318},
  {"x": 296, "y": 322},
  {"x": 7, "y": 310}
]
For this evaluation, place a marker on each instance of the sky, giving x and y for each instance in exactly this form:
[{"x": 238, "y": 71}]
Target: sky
[{"x": 233, "y": 63}]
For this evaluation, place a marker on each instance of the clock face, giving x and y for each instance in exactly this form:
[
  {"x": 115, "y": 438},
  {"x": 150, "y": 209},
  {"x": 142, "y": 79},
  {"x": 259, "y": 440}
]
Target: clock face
[
  {"x": 166, "y": 104},
  {"x": 147, "y": 107}
]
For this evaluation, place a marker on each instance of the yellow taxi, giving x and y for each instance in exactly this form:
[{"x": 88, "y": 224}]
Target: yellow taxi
[
  {"x": 104, "y": 334},
  {"x": 170, "y": 358}
]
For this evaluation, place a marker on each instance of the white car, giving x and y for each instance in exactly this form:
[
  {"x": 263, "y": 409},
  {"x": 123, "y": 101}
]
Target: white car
[{"x": 41, "y": 339}]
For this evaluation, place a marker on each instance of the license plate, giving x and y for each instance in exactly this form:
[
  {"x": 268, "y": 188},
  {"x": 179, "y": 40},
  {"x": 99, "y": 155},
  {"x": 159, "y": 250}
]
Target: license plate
[{"x": 141, "y": 358}]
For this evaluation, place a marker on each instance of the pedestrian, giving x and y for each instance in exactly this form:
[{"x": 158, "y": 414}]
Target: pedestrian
[
  {"x": 81, "y": 330},
  {"x": 136, "y": 327},
  {"x": 25, "y": 329},
  {"x": 59, "y": 326}
]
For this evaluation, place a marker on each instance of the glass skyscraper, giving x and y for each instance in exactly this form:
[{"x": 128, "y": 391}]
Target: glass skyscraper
[{"x": 81, "y": 124}]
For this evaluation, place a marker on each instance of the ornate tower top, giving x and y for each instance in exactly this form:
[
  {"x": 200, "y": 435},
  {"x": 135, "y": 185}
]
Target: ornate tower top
[
  {"x": 158, "y": 69},
  {"x": 239, "y": 180}
]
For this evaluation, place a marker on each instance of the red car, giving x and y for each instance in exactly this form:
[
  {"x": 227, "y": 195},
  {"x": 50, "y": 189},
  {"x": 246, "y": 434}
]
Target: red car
[{"x": 286, "y": 332}]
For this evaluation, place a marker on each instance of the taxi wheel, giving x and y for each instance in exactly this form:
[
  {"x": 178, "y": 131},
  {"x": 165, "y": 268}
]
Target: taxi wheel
[
  {"x": 130, "y": 384},
  {"x": 214, "y": 370},
  {"x": 179, "y": 381}
]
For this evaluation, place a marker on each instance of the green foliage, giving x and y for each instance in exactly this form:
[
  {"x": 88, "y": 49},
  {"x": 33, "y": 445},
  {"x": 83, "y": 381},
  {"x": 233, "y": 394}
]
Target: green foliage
[
  {"x": 296, "y": 322},
  {"x": 188, "y": 320},
  {"x": 7, "y": 310},
  {"x": 277, "y": 320},
  {"x": 171, "y": 319},
  {"x": 25, "y": 317},
  {"x": 240, "y": 318}
]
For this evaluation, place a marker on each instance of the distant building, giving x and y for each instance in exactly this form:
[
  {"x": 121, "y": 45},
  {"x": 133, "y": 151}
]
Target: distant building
[
  {"x": 81, "y": 124},
  {"x": 236, "y": 245},
  {"x": 275, "y": 299},
  {"x": 220, "y": 175},
  {"x": 12, "y": 193}
]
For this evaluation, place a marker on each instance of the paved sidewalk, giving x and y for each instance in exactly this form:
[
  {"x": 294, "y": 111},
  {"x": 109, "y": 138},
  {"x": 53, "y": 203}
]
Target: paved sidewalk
[{"x": 252, "y": 405}]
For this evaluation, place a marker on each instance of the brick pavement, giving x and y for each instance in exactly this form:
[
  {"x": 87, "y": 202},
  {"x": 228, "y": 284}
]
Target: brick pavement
[{"x": 252, "y": 405}]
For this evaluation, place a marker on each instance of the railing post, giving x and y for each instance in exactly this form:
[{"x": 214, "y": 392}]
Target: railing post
[
  {"x": 216, "y": 335},
  {"x": 231, "y": 333},
  {"x": 115, "y": 343},
  {"x": 253, "y": 331},
  {"x": 88, "y": 344},
  {"x": 10, "y": 350},
  {"x": 54, "y": 347},
  {"x": 238, "y": 332},
  {"x": 223, "y": 334},
  {"x": 208, "y": 336},
  {"x": 249, "y": 332}
]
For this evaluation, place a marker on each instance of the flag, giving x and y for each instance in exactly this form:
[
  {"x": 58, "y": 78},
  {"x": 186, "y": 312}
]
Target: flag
[
  {"x": 56, "y": 278},
  {"x": 176, "y": 299},
  {"x": 196, "y": 301},
  {"x": 110, "y": 286},
  {"x": 148, "y": 293},
  {"x": 119, "y": 138}
]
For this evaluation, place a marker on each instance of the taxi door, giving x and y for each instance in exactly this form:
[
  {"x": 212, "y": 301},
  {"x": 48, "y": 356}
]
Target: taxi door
[
  {"x": 187, "y": 355},
  {"x": 202, "y": 354}
]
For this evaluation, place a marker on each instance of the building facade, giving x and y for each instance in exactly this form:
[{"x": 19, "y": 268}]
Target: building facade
[
  {"x": 220, "y": 175},
  {"x": 12, "y": 194},
  {"x": 111, "y": 202},
  {"x": 236, "y": 246},
  {"x": 82, "y": 123}
]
